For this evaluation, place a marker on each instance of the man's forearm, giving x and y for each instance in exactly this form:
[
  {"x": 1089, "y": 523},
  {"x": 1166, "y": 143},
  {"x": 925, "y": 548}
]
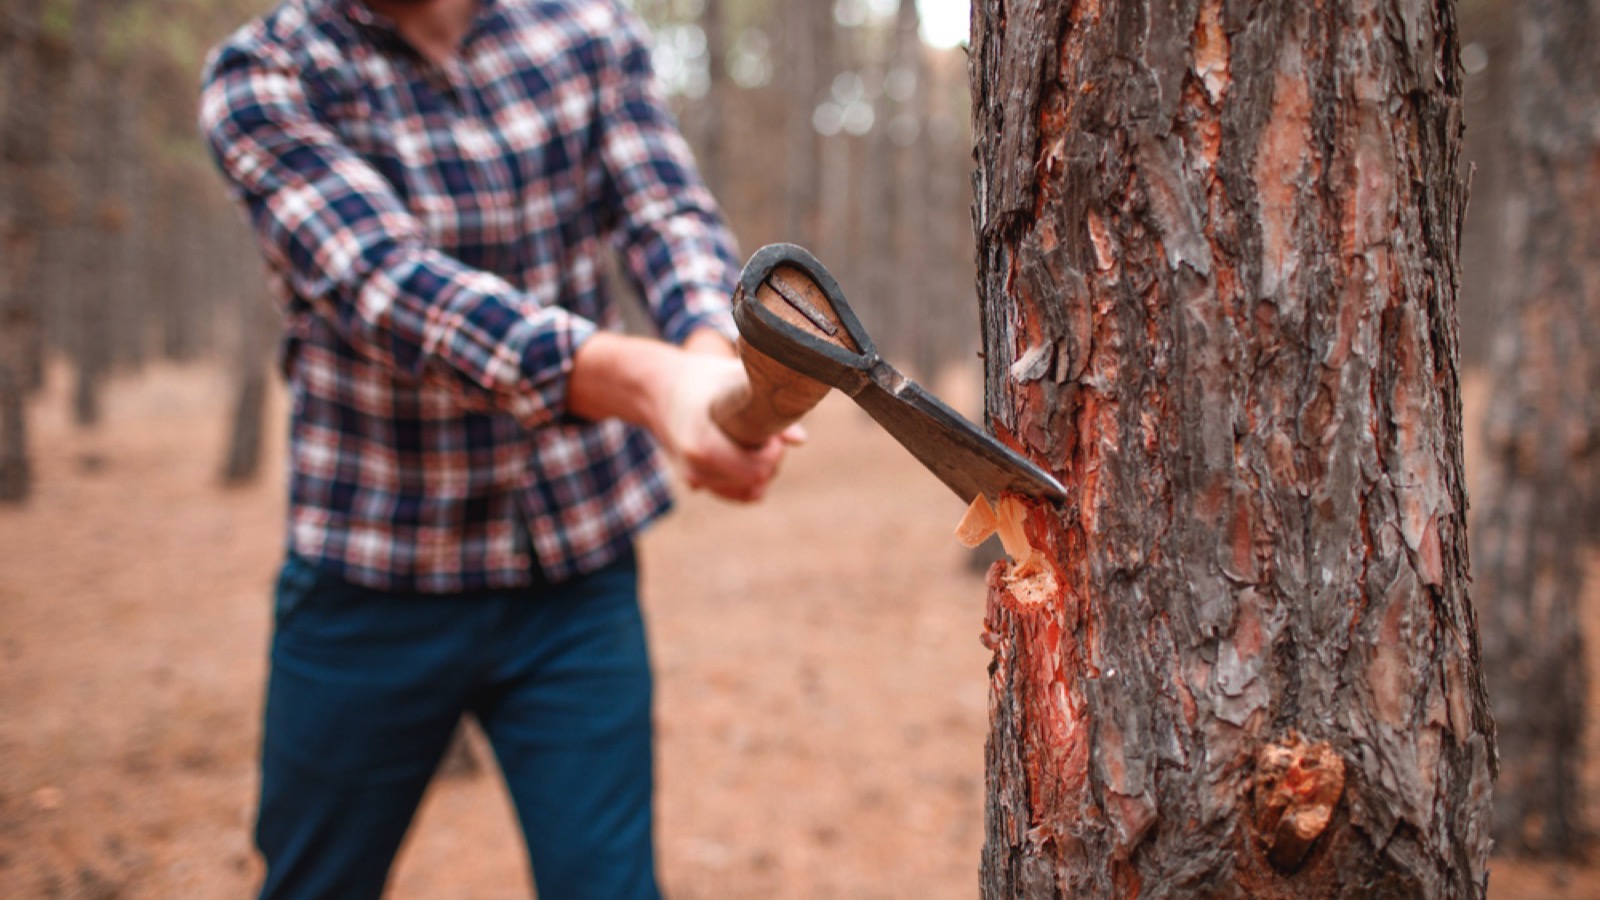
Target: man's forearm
[
  {"x": 710, "y": 342},
  {"x": 617, "y": 376}
]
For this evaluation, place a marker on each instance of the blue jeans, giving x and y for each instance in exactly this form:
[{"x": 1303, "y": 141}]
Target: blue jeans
[{"x": 366, "y": 689}]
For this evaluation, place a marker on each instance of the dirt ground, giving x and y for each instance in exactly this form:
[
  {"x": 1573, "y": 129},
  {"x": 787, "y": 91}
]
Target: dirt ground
[{"x": 822, "y": 689}]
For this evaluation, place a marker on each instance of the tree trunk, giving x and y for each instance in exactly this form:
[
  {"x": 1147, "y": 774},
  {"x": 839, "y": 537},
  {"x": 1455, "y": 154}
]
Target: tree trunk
[
  {"x": 914, "y": 178},
  {"x": 95, "y": 139},
  {"x": 713, "y": 110},
  {"x": 1542, "y": 437},
  {"x": 1218, "y": 268},
  {"x": 808, "y": 70},
  {"x": 1486, "y": 106},
  {"x": 170, "y": 280},
  {"x": 47, "y": 198},
  {"x": 948, "y": 282},
  {"x": 20, "y": 132},
  {"x": 245, "y": 437},
  {"x": 875, "y": 208},
  {"x": 124, "y": 214},
  {"x": 257, "y": 332}
]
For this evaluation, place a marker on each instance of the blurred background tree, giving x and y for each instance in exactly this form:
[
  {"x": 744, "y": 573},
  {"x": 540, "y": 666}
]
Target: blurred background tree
[{"x": 1535, "y": 525}]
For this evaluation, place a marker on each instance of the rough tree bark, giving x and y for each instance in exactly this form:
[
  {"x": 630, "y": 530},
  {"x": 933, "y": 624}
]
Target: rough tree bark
[
  {"x": 1535, "y": 526},
  {"x": 1218, "y": 269}
]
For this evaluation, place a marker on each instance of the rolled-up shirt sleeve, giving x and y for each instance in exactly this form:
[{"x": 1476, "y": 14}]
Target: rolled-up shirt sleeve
[
  {"x": 335, "y": 229},
  {"x": 671, "y": 231}
]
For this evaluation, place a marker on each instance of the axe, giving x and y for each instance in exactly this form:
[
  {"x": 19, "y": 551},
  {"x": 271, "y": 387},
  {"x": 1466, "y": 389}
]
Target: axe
[{"x": 799, "y": 339}]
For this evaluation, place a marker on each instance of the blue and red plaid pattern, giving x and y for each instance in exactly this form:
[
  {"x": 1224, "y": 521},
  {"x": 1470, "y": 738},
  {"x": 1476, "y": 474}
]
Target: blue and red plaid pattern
[{"x": 435, "y": 233}]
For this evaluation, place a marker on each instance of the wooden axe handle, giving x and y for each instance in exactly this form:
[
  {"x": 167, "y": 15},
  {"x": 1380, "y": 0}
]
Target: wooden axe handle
[{"x": 774, "y": 398}]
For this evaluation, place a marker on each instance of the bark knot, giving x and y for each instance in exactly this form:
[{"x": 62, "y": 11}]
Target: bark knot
[{"x": 1298, "y": 785}]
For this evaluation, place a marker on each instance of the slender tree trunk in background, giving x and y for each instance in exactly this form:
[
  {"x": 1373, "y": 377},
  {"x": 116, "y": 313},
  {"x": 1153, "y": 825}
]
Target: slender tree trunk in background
[
  {"x": 841, "y": 157},
  {"x": 719, "y": 96},
  {"x": 21, "y": 133},
  {"x": 169, "y": 273},
  {"x": 16, "y": 474},
  {"x": 125, "y": 214},
  {"x": 892, "y": 207},
  {"x": 49, "y": 197},
  {"x": 1218, "y": 266},
  {"x": 257, "y": 336},
  {"x": 245, "y": 437},
  {"x": 916, "y": 179},
  {"x": 875, "y": 203},
  {"x": 1486, "y": 104},
  {"x": 1535, "y": 524},
  {"x": 13, "y": 434},
  {"x": 949, "y": 282},
  {"x": 94, "y": 141},
  {"x": 837, "y": 220},
  {"x": 222, "y": 240},
  {"x": 799, "y": 77},
  {"x": 808, "y": 69}
]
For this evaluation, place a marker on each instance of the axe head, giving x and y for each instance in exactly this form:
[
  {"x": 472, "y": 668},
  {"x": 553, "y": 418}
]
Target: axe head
[{"x": 790, "y": 308}]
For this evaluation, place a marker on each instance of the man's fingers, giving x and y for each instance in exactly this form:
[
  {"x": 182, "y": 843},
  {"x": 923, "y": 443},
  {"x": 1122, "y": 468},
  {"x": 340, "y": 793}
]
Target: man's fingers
[
  {"x": 708, "y": 457},
  {"x": 734, "y": 472}
]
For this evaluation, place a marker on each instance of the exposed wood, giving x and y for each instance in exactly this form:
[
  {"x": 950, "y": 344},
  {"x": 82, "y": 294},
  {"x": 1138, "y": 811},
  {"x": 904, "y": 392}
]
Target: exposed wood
[
  {"x": 1218, "y": 267},
  {"x": 977, "y": 524},
  {"x": 1009, "y": 524}
]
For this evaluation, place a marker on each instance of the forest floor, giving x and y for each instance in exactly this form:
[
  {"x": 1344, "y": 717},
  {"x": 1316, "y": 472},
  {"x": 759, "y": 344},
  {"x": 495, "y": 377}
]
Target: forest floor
[{"x": 821, "y": 702}]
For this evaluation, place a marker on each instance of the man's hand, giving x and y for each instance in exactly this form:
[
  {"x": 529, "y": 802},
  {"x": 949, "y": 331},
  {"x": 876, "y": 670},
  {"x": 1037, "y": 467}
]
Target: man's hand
[
  {"x": 670, "y": 391},
  {"x": 710, "y": 459}
]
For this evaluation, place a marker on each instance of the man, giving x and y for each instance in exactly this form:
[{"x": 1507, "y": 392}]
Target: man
[{"x": 473, "y": 448}]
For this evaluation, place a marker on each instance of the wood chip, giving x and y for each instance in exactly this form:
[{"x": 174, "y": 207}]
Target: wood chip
[
  {"x": 1008, "y": 522},
  {"x": 977, "y": 524},
  {"x": 982, "y": 520}
]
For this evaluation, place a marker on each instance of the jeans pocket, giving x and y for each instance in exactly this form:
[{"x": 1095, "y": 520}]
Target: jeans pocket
[{"x": 297, "y": 581}]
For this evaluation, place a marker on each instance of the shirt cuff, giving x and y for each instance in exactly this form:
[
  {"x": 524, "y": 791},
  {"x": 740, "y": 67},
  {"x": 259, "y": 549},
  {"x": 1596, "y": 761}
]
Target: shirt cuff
[
  {"x": 719, "y": 320},
  {"x": 544, "y": 401}
]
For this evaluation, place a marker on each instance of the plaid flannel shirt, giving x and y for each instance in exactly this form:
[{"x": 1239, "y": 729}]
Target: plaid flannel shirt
[{"x": 435, "y": 233}]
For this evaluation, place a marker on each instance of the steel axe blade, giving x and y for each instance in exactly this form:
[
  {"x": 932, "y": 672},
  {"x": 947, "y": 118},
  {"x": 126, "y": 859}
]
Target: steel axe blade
[{"x": 799, "y": 337}]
